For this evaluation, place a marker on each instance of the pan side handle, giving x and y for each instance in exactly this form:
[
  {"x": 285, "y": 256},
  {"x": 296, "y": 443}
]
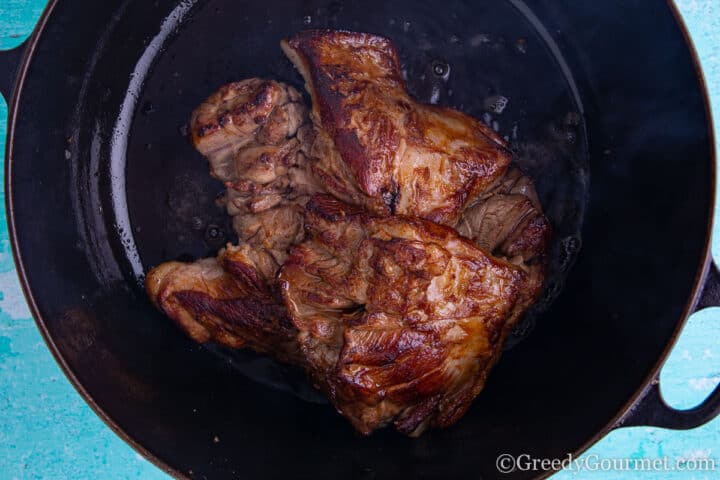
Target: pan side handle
[
  {"x": 651, "y": 410},
  {"x": 9, "y": 65}
]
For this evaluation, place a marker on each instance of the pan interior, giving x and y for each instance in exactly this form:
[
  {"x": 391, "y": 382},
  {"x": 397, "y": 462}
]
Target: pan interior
[{"x": 162, "y": 198}]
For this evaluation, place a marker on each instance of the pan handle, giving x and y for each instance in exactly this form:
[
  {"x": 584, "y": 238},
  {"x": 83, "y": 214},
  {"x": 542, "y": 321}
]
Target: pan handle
[
  {"x": 9, "y": 64},
  {"x": 651, "y": 409},
  {"x": 710, "y": 295}
]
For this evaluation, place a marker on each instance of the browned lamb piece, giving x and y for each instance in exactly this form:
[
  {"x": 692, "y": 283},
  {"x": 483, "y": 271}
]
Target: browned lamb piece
[
  {"x": 400, "y": 319},
  {"x": 396, "y": 318},
  {"x": 378, "y": 147},
  {"x": 253, "y": 134}
]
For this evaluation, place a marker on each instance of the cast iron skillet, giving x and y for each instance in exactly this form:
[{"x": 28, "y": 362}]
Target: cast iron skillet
[{"x": 102, "y": 185}]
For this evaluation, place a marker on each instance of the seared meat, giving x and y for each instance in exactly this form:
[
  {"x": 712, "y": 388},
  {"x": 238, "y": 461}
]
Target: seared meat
[
  {"x": 397, "y": 292},
  {"x": 252, "y": 134},
  {"x": 225, "y": 300},
  {"x": 378, "y": 147},
  {"x": 242, "y": 115},
  {"x": 268, "y": 235},
  {"x": 400, "y": 319},
  {"x": 508, "y": 222}
]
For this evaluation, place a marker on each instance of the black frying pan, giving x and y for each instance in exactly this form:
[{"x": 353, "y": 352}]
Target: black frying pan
[{"x": 606, "y": 109}]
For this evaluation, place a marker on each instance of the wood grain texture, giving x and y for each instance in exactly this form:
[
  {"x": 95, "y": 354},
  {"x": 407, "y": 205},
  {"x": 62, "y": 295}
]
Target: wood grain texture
[
  {"x": 17, "y": 19},
  {"x": 47, "y": 431}
]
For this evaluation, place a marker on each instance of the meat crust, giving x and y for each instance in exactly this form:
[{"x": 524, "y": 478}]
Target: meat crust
[
  {"x": 225, "y": 299},
  {"x": 250, "y": 132},
  {"x": 400, "y": 319},
  {"x": 396, "y": 292},
  {"x": 380, "y": 148},
  {"x": 253, "y": 134}
]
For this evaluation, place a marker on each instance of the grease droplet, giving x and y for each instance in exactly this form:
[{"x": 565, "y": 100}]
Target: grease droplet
[
  {"x": 197, "y": 223},
  {"x": 521, "y": 45},
  {"x": 148, "y": 108}
]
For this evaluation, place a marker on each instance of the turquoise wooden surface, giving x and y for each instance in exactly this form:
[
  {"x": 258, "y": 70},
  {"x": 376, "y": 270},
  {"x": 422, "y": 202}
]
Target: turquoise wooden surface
[{"x": 47, "y": 431}]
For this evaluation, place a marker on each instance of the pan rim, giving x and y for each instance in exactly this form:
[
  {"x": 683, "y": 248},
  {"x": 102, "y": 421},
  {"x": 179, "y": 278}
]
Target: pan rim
[
  {"x": 698, "y": 283},
  {"x": 25, "y": 62},
  {"x": 706, "y": 258},
  {"x": 702, "y": 269}
]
